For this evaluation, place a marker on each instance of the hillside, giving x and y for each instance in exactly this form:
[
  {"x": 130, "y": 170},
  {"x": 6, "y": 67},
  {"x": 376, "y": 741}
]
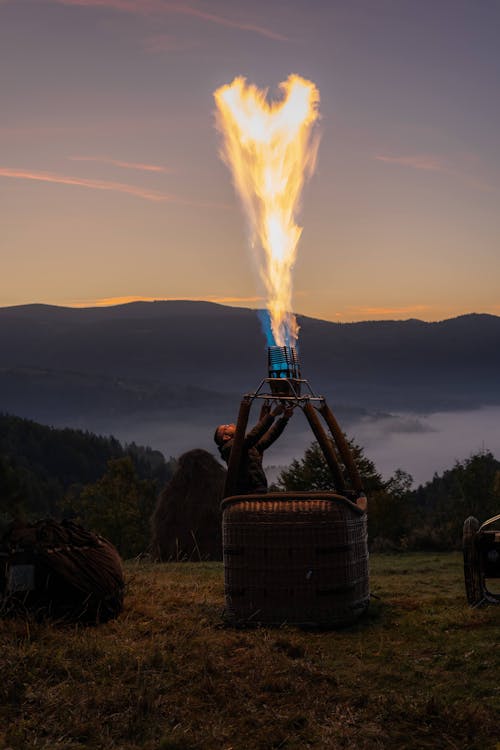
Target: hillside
[
  {"x": 419, "y": 671},
  {"x": 39, "y": 464}
]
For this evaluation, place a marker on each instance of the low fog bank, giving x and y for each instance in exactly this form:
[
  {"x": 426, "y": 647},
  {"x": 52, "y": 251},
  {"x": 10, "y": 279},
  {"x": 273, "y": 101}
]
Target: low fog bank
[
  {"x": 429, "y": 443},
  {"x": 420, "y": 444},
  {"x": 174, "y": 433}
]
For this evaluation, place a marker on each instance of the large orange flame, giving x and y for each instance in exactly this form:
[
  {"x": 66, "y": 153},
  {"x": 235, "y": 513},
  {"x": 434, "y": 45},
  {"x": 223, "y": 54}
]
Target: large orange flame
[{"x": 271, "y": 150}]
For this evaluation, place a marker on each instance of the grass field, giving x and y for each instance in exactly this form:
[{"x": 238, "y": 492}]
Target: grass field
[{"x": 421, "y": 670}]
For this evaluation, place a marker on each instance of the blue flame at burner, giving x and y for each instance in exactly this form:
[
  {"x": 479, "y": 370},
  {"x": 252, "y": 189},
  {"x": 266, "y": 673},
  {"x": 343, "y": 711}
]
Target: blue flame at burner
[{"x": 265, "y": 320}]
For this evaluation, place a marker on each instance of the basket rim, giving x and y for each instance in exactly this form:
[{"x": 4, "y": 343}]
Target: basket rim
[{"x": 264, "y": 497}]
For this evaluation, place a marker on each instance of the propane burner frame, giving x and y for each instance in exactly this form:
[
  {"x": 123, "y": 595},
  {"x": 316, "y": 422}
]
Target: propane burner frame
[{"x": 285, "y": 384}]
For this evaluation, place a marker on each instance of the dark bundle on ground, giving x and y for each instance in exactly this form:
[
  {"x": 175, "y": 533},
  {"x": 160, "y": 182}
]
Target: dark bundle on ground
[
  {"x": 186, "y": 524},
  {"x": 60, "y": 570}
]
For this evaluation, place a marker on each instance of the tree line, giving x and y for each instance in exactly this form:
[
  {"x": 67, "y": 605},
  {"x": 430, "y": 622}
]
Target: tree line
[
  {"x": 107, "y": 486},
  {"x": 112, "y": 488},
  {"x": 429, "y": 517}
]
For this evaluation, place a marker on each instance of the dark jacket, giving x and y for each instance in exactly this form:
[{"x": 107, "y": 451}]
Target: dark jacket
[{"x": 251, "y": 477}]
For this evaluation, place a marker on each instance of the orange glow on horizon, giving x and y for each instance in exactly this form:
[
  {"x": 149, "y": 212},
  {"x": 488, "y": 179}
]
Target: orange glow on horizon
[
  {"x": 384, "y": 311},
  {"x": 125, "y": 300}
]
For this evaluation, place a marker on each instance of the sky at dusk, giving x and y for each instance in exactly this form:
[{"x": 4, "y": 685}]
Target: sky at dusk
[{"x": 112, "y": 188}]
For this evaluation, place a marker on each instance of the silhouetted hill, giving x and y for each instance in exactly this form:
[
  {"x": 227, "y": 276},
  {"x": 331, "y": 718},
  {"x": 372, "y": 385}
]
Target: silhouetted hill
[{"x": 153, "y": 356}]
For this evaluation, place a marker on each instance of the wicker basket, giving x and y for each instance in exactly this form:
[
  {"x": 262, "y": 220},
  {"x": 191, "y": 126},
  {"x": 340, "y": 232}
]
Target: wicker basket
[
  {"x": 59, "y": 570},
  {"x": 298, "y": 557}
]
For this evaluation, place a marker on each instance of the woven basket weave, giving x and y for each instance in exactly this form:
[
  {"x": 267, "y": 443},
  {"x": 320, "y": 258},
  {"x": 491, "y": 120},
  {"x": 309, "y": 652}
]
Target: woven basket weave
[
  {"x": 59, "y": 570},
  {"x": 297, "y": 557}
]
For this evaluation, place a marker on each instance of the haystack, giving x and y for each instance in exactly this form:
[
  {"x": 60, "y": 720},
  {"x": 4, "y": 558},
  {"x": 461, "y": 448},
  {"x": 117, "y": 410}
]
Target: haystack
[
  {"x": 186, "y": 524},
  {"x": 60, "y": 570}
]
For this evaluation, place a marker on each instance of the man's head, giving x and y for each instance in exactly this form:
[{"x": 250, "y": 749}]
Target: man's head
[{"x": 224, "y": 432}]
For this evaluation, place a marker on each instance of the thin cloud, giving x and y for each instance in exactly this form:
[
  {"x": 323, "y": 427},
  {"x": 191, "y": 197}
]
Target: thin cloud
[
  {"x": 223, "y": 21},
  {"x": 423, "y": 162},
  {"x": 148, "y": 7},
  {"x": 124, "y": 300},
  {"x": 107, "y": 301},
  {"x": 232, "y": 300},
  {"x": 122, "y": 164},
  {"x": 117, "y": 187},
  {"x": 429, "y": 163}
]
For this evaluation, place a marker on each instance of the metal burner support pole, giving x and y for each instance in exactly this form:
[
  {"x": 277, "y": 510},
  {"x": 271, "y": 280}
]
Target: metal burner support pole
[
  {"x": 342, "y": 446},
  {"x": 237, "y": 449},
  {"x": 326, "y": 446}
]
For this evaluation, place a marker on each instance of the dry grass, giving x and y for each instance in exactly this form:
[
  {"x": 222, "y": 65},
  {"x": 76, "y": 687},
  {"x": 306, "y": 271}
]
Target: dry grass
[{"x": 420, "y": 671}]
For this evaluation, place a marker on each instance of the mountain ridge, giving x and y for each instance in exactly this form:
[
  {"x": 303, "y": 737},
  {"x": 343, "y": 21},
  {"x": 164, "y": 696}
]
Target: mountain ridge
[
  {"x": 184, "y": 305},
  {"x": 52, "y": 357}
]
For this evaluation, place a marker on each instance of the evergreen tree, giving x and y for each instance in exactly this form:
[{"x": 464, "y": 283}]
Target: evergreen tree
[
  {"x": 118, "y": 506},
  {"x": 312, "y": 471},
  {"x": 388, "y": 506}
]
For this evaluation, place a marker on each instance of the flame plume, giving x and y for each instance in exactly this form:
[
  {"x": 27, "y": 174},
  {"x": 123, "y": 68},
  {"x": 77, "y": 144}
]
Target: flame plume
[{"x": 271, "y": 150}]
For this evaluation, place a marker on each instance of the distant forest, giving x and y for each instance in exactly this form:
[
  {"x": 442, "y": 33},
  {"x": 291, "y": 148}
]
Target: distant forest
[
  {"x": 48, "y": 472},
  {"x": 112, "y": 488}
]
